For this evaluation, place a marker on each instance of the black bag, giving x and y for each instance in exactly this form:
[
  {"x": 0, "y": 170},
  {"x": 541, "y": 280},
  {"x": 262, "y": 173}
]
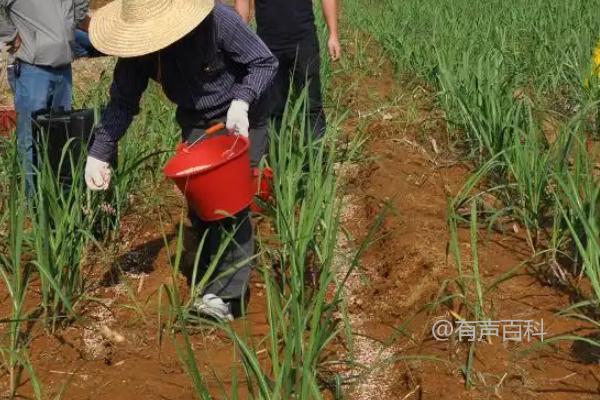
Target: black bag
[{"x": 51, "y": 133}]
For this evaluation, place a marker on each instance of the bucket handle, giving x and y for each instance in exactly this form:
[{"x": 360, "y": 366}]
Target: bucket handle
[
  {"x": 212, "y": 130},
  {"x": 209, "y": 131},
  {"x": 229, "y": 153}
]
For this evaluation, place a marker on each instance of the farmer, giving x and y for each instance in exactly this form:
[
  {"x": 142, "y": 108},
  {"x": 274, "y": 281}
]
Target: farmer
[
  {"x": 288, "y": 29},
  {"x": 39, "y": 35},
  {"x": 214, "y": 68}
]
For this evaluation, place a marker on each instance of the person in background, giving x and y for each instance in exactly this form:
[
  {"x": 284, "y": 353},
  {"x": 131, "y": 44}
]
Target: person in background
[
  {"x": 40, "y": 36},
  {"x": 82, "y": 47},
  {"x": 288, "y": 29},
  {"x": 214, "y": 68}
]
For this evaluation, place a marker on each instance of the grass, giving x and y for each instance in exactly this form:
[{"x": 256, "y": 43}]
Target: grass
[
  {"x": 578, "y": 199},
  {"x": 471, "y": 287},
  {"x": 514, "y": 80},
  {"x": 15, "y": 273},
  {"x": 60, "y": 217},
  {"x": 45, "y": 240}
]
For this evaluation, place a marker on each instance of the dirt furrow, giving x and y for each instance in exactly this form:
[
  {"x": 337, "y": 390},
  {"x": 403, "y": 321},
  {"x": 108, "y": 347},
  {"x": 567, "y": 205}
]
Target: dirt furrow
[{"x": 409, "y": 174}]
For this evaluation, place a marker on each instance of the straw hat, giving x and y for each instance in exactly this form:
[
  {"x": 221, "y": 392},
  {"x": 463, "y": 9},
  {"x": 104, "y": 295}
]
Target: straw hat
[{"x": 130, "y": 28}]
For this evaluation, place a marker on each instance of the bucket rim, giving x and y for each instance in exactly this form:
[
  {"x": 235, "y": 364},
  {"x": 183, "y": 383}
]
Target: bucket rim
[{"x": 244, "y": 148}]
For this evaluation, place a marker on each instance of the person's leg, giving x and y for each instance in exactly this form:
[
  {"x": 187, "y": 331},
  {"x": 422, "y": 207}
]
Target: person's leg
[
  {"x": 259, "y": 137},
  {"x": 229, "y": 280},
  {"x": 62, "y": 89},
  {"x": 270, "y": 105},
  {"x": 308, "y": 74},
  {"x": 32, "y": 93},
  {"x": 277, "y": 96}
]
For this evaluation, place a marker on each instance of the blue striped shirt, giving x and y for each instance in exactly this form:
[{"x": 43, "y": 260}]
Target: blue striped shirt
[{"x": 221, "y": 60}]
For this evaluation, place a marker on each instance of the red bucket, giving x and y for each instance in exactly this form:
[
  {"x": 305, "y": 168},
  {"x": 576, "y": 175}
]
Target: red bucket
[
  {"x": 8, "y": 120},
  {"x": 214, "y": 175}
]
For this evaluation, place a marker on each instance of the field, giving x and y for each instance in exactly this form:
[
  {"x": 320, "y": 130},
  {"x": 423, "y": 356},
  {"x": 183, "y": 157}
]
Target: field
[{"x": 458, "y": 183}]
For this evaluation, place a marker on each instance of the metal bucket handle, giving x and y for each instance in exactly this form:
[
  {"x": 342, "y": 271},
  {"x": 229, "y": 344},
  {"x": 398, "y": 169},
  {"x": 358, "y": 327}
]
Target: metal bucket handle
[{"x": 210, "y": 131}]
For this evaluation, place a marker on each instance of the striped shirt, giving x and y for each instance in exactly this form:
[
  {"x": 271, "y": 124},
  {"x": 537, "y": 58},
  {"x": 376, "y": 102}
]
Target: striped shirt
[{"x": 220, "y": 61}]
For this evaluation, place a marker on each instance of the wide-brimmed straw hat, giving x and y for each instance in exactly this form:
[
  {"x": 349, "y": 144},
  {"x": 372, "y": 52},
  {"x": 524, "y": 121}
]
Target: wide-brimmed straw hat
[{"x": 130, "y": 28}]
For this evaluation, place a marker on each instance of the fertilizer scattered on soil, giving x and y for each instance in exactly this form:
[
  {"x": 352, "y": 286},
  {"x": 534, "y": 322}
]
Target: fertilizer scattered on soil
[
  {"x": 366, "y": 352},
  {"x": 95, "y": 340}
]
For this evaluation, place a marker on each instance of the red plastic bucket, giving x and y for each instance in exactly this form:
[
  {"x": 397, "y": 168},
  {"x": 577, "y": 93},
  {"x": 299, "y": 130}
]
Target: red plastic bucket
[{"x": 214, "y": 175}]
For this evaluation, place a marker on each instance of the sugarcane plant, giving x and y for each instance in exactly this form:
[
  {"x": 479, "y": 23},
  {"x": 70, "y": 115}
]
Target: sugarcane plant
[
  {"x": 14, "y": 267},
  {"x": 62, "y": 219}
]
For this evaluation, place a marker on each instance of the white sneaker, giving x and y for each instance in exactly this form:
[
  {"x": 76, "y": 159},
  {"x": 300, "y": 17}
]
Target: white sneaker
[{"x": 213, "y": 306}]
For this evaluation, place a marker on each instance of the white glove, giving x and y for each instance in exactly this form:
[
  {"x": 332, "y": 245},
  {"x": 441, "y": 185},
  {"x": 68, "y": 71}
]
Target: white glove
[
  {"x": 97, "y": 174},
  {"x": 237, "y": 117}
]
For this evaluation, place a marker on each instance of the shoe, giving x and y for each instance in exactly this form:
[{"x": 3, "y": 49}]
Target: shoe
[{"x": 212, "y": 306}]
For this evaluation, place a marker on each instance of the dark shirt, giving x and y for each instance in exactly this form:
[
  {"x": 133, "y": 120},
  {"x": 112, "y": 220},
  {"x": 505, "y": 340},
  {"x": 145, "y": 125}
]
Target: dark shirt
[
  {"x": 284, "y": 24},
  {"x": 220, "y": 61}
]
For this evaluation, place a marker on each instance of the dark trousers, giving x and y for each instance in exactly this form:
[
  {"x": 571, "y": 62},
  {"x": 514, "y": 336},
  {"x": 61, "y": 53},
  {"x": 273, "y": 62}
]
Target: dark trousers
[
  {"x": 299, "y": 67},
  {"x": 232, "y": 274}
]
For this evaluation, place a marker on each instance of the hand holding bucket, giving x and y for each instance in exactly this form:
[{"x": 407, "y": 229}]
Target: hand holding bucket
[{"x": 237, "y": 118}]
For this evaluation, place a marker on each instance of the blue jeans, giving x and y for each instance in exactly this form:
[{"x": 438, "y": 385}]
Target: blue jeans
[
  {"x": 37, "y": 88},
  {"x": 83, "y": 46}
]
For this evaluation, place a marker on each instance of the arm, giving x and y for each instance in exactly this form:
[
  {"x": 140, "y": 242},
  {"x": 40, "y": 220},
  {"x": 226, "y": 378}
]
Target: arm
[
  {"x": 242, "y": 46},
  {"x": 129, "y": 83},
  {"x": 81, "y": 11},
  {"x": 8, "y": 31},
  {"x": 330, "y": 11},
  {"x": 243, "y": 8}
]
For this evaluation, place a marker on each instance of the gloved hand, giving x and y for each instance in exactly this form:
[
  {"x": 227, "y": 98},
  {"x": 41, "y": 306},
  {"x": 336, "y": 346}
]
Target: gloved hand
[
  {"x": 237, "y": 117},
  {"x": 97, "y": 174}
]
